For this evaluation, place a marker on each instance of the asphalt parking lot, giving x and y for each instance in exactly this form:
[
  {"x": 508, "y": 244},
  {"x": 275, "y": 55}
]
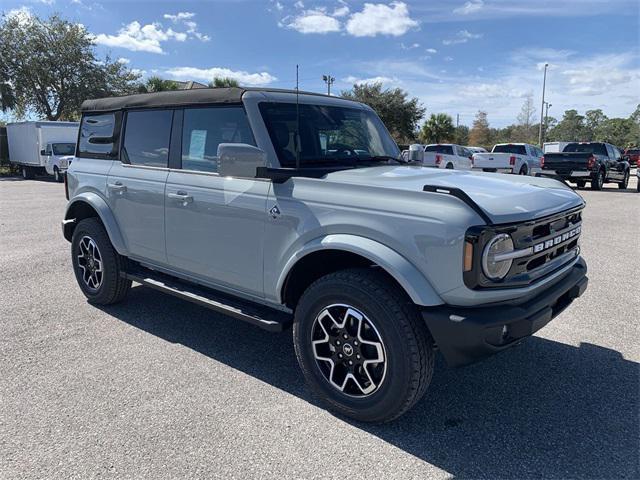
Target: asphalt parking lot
[{"x": 160, "y": 388}]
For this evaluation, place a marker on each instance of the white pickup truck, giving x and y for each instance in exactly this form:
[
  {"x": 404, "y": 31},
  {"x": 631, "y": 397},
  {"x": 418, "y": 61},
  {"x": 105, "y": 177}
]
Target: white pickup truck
[
  {"x": 520, "y": 158},
  {"x": 447, "y": 155}
]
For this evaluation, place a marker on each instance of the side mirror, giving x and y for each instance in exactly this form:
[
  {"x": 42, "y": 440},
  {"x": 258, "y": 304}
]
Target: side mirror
[
  {"x": 240, "y": 160},
  {"x": 416, "y": 153},
  {"x": 43, "y": 153}
]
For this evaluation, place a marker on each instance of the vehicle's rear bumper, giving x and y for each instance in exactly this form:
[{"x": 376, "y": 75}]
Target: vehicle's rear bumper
[
  {"x": 467, "y": 334},
  {"x": 571, "y": 176},
  {"x": 494, "y": 170}
]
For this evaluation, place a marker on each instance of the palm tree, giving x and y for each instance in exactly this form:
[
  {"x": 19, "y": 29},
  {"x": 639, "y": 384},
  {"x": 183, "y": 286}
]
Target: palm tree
[
  {"x": 439, "y": 128},
  {"x": 157, "y": 84},
  {"x": 223, "y": 82}
]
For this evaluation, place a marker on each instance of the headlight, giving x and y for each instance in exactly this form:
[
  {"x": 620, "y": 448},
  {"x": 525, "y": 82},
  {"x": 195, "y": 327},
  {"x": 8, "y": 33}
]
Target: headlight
[{"x": 497, "y": 268}]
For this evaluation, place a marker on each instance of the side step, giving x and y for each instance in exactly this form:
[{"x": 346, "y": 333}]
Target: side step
[{"x": 262, "y": 316}]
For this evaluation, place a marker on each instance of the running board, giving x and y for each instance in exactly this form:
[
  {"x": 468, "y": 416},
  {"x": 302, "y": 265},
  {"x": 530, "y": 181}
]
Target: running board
[{"x": 264, "y": 317}]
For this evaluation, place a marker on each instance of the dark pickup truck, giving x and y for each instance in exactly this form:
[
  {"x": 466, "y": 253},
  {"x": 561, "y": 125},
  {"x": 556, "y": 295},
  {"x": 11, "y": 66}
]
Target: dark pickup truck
[{"x": 583, "y": 162}]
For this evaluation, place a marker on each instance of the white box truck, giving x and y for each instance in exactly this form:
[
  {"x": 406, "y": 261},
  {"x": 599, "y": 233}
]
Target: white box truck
[
  {"x": 554, "y": 147},
  {"x": 39, "y": 147}
]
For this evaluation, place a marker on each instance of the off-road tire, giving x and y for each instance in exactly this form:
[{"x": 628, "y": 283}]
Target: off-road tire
[
  {"x": 113, "y": 287},
  {"x": 598, "y": 181},
  {"x": 625, "y": 183},
  {"x": 406, "y": 340}
]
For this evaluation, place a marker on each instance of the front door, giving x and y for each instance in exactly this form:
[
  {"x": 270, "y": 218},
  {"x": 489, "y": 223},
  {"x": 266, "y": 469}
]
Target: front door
[
  {"x": 215, "y": 225},
  {"x": 136, "y": 184}
]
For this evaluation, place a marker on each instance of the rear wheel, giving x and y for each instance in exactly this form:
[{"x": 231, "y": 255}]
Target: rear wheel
[
  {"x": 580, "y": 183},
  {"x": 362, "y": 345},
  {"x": 523, "y": 170},
  {"x": 449, "y": 166},
  {"x": 28, "y": 173},
  {"x": 97, "y": 265},
  {"x": 625, "y": 181},
  {"x": 598, "y": 181}
]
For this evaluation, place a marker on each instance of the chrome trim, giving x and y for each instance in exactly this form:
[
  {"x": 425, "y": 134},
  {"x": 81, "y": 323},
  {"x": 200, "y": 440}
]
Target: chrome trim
[{"x": 513, "y": 254}]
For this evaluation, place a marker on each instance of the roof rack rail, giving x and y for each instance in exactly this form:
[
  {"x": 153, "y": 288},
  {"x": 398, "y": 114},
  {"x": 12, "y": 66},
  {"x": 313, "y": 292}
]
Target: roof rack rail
[{"x": 459, "y": 194}]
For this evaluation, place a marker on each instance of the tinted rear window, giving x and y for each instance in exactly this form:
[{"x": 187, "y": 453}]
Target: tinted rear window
[
  {"x": 633, "y": 151},
  {"x": 515, "y": 149},
  {"x": 597, "y": 148},
  {"x": 94, "y": 130},
  {"x": 146, "y": 138},
  {"x": 444, "y": 149}
]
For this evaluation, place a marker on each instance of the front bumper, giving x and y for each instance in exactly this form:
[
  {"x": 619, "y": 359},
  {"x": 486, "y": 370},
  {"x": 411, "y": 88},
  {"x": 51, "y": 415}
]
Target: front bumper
[{"x": 467, "y": 334}]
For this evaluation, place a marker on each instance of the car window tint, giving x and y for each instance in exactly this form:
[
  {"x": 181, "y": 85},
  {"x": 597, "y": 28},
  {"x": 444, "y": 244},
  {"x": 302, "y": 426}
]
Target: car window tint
[
  {"x": 515, "y": 149},
  {"x": 94, "y": 132},
  {"x": 206, "y": 128},
  {"x": 146, "y": 138},
  {"x": 431, "y": 148}
]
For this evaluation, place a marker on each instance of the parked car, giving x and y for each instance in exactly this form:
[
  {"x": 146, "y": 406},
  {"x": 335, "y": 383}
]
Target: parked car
[
  {"x": 477, "y": 149},
  {"x": 594, "y": 162},
  {"x": 554, "y": 147},
  {"x": 447, "y": 155},
  {"x": 520, "y": 158},
  {"x": 633, "y": 156},
  {"x": 285, "y": 209},
  {"x": 31, "y": 147}
]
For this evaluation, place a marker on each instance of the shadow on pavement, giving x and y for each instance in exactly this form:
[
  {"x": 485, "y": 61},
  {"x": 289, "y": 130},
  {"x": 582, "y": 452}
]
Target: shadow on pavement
[{"x": 540, "y": 410}]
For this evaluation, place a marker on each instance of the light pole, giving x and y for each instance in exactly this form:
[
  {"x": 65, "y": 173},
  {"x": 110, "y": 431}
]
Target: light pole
[
  {"x": 328, "y": 79},
  {"x": 546, "y": 119},
  {"x": 544, "y": 84}
]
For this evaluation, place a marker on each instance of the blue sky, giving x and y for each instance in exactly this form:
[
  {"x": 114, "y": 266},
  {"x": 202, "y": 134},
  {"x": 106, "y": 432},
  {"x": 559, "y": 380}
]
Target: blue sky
[{"x": 457, "y": 56}]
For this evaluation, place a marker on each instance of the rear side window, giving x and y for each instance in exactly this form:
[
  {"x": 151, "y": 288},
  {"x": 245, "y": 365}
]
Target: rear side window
[
  {"x": 146, "y": 138},
  {"x": 203, "y": 129},
  {"x": 96, "y": 132},
  {"x": 515, "y": 149}
]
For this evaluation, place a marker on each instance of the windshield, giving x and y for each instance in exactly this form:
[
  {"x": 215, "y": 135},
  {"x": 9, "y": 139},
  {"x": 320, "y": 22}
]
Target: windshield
[
  {"x": 329, "y": 135},
  {"x": 515, "y": 149},
  {"x": 64, "y": 148},
  {"x": 597, "y": 148}
]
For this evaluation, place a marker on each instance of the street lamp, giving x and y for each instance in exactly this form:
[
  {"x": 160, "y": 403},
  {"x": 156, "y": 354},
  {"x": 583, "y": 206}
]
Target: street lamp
[
  {"x": 328, "y": 79},
  {"x": 544, "y": 84}
]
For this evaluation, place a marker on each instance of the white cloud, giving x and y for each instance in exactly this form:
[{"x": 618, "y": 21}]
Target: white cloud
[
  {"x": 179, "y": 16},
  {"x": 353, "y": 80},
  {"x": 469, "y": 7},
  {"x": 463, "y": 36},
  {"x": 47, "y": 2},
  {"x": 207, "y": 74},
  {"x": 380, "y": 19},
  {"x": 22, "y": 14},
  {"x": 140, "y": 38},
  {"x": 410, "y": 46},
  {"x": 341, "y": 11},
  {"x": 124, "y": 61},
  {"x": 313, "y": 21},
  {"x": 431, "y": 50}
]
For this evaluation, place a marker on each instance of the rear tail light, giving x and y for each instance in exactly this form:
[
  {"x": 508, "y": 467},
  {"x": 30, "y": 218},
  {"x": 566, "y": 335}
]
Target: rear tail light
[
  {"x": 438, "y": 159},
  {"x": 591, "y": 161},
  {"x": 541, "y": 162},
  {"x": 512, "y": 160},
  {"x": 66, "y": 185}
]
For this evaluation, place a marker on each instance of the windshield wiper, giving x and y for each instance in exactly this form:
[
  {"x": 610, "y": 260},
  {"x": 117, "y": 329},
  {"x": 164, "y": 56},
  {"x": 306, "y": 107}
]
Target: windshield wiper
[{"x": 382, "y": 158}]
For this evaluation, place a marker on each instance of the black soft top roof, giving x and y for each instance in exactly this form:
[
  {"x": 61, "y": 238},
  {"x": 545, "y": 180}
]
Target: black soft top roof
[{"x": 174, "y": 98}]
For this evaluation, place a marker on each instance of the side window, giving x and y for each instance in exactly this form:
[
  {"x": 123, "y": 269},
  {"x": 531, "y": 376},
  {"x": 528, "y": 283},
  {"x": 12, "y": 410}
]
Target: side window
[
  {"x": 610, "y": 153},
  {"x": 47, "y": 150},
  {"x": 431, "y": 148},
  {"x": 203, "y": 129},
  {"x": 94, "y": 132},
  {"x": 146, "y": 138},
  {"x": 616, "y": 153}
]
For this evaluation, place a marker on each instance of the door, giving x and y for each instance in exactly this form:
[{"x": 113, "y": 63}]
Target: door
[
  {"x": 617, "y": 165},
  {"x": 464, "y": 158},
  {"x": 136, "y": 184},
  {"x": 215, "y": 225}
]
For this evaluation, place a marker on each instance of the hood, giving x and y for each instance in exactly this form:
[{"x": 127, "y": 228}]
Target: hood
[{"x": 505, "y": 198}]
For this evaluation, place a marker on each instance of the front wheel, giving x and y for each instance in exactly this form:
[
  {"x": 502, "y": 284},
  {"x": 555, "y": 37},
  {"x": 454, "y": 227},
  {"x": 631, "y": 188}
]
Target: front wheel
[
  {"x": 57, "y": 176},
  {"x": 625, "y": 181},
  {"x": 362, "y": 345},
  {"x": 97, "y": 265},
  {"x": 598, "y": 181}
]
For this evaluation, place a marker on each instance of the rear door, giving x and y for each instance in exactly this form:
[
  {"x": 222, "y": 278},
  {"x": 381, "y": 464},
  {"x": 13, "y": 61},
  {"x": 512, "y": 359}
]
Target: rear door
[
  {"x": 215, "y": 225},
  {"x": 616, "y": 165},
  {"x": 135, "y": 187}
]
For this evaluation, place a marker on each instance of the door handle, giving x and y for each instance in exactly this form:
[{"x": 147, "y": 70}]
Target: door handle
[
  {"x": 118, "y": 187},
  {"x": 182, "y": 196}
]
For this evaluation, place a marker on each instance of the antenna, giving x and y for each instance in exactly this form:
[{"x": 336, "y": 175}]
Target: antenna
[{"x": 297, "y": 139}]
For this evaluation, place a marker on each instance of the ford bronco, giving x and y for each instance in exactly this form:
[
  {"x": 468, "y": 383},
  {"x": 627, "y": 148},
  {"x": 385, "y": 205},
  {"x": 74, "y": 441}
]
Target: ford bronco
[{"x": 283, "y": 208}]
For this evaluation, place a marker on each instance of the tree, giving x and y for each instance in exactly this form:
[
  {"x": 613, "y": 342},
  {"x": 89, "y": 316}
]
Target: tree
[
  {"x": 399, "y": 113},
  {"x": 51, "y": 68},
  {"x": 594, "y": 120},
  {"x": 622, "y": 132},
  {"x": 157, "y": 84},
  {"x": 224, "y": 82},
  {"x": 570, "y": 129},
  {"x": 527, "y": 113},
  {"x": 438, "y": 129},
  {"x": 480, "y": 135},
  {"x": 461, "y": 135}
]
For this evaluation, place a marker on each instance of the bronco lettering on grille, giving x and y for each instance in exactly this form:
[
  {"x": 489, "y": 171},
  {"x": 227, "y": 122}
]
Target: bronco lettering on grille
[{"x": 539, "y": 247}]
